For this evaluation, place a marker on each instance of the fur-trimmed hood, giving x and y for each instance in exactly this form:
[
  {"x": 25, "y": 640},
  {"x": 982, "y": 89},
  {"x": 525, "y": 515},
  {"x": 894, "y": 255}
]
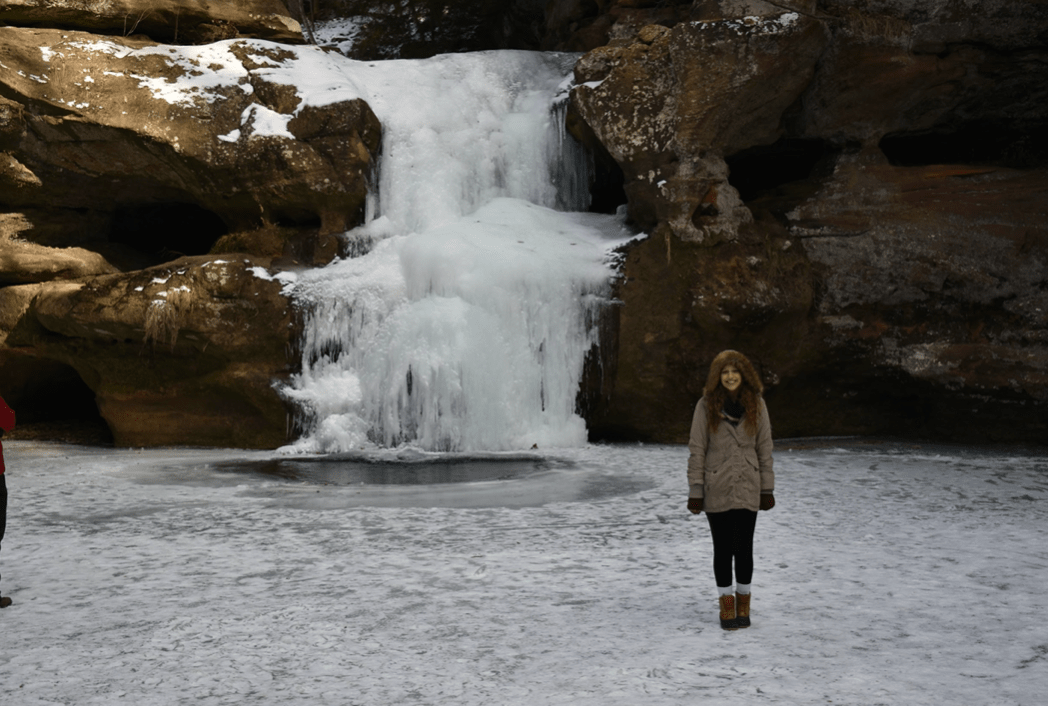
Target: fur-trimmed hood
[{"x": 746, "y": 369}]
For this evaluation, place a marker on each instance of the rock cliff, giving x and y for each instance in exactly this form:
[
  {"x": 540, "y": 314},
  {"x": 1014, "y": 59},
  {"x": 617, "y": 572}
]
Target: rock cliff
[
  {"x": 120, "y": 155},
  {"x": 852, "y": 192},
  {"x": 181, "y": 354}
]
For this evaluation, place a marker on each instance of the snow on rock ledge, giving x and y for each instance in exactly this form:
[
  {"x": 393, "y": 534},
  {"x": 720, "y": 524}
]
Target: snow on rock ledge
[
  {"x": 104, "y": 122},
  {"x": 177, "y": 21}
]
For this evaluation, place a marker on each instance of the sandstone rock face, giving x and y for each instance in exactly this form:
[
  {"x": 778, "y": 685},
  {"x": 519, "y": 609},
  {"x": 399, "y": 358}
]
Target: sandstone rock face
[
  {"x": 109, "y": 123},
  {"x": 175, "y": 21},
  {"x": 416, "y": 29},
  {"x": 182, "y": 354},
  {"x": 119, "y": 153},
  {"x": 856, "y": 200},
  {"x": 938, "y": 275},
  {"x": 582, "y": 25},
  {"x": 671, "y": 104},
  {"x": 935, "y": 24},
  {"x": 25, "y": 262}
]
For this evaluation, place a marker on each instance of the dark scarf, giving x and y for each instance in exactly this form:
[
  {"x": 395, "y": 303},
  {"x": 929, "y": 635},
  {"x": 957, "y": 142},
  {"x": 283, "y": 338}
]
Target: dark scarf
[{"x": 734, "y": 411}]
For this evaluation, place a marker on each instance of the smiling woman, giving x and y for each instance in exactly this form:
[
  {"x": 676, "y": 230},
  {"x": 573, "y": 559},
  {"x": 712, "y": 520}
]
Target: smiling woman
[
  {"x": 731, "y": 378},
  {"x": 730, "y": 475}
]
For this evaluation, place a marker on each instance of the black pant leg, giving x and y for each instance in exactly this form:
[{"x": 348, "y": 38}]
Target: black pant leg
[
  {"x": 745, "y": 524},
  {"x": 732, "y": 533},
  {"x": 3, "y": 506},
  {"x": 723, "y": 546}
]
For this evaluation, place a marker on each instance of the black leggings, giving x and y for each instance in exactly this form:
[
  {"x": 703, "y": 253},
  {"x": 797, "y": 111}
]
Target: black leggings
[
  {"x": 732, "y": 539},
  {"x": 3, "y": 506}
]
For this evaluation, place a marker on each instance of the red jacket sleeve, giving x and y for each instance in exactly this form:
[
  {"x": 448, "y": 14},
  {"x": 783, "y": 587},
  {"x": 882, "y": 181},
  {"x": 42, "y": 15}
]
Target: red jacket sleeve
[
  {"x": 7, "y": 416},
  {"x": 7, "y": 423}
]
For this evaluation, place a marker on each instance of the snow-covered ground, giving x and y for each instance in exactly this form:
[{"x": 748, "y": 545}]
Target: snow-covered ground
[{"x": 888, "y": 574}]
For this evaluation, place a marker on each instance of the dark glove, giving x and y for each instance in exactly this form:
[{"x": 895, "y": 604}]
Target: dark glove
[
  {"x": 695, "y": 505},
  {"x": 767, "y": 501}
]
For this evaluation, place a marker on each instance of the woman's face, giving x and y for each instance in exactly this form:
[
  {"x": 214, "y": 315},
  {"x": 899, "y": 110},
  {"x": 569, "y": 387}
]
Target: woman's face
[{"x": 731, "y": 378}]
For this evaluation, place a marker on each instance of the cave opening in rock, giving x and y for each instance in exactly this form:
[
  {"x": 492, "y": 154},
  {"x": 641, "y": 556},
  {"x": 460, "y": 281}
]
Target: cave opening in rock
[
  {"x": 52, "y": 402},
  {"x": 982, "y": 142},
  {"x": 758, "y": 171},
  {"x": 302, "y": 218},
  {"x": 166, "y": 231},
  {"x": 607, "y": 190}
]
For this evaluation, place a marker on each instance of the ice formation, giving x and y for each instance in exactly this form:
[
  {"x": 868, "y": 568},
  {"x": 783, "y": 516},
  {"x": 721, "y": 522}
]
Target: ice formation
[{"x": 464, "y": 318}]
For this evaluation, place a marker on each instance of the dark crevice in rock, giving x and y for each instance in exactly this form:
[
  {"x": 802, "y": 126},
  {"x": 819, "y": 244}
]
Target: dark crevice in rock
[
  {"x": 775, "y": 178},
  {"x": 607, "y": 185},
  {"x": 53, "y": 402},
  {"x": 303, "y": 218},
  {"x": 979, "y": 142},
  {"x": 758, "y": 170},
  {"x": 607, "y": 190},
  {"x": 599, "y": 371},
  {"x": 852, "y": 399},
  {"x": 415, "y": 29},
  {"x": 166, "y": 231}
]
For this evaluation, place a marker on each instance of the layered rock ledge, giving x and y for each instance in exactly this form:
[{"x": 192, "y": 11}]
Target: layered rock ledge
[
  {"x": 171, "y": 21},
  {"x": 186, "y": 353},
  {"x": 850, "y": 192},
  {"x": 124, "y": 164}
]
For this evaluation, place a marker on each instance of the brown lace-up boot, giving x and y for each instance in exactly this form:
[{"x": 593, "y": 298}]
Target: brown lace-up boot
[
  {"x": 742, "y": 610},
  {"x": 727, "y": 612}
]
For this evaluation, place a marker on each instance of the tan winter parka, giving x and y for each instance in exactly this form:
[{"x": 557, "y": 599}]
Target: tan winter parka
[{"x": 730, "y": 468}]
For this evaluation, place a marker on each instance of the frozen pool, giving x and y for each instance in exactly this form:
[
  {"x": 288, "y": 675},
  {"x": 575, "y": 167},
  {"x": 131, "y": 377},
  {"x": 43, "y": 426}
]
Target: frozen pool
[{"x": 888, "y": 573}]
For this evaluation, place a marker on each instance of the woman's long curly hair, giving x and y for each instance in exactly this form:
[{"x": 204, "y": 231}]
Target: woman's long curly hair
[{"x": 749, "y": 391}]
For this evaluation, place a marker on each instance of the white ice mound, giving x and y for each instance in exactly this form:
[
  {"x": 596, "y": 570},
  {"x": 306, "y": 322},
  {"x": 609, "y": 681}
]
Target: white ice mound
[{"x": 468, "y": 337}]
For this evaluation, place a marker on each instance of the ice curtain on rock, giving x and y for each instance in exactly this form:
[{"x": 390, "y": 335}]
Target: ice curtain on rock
[{"x": 464, "y": 321}]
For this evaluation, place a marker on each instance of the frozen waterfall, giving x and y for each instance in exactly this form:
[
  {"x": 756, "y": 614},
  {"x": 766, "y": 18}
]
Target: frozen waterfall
[{"x": 464, "y": 319}]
